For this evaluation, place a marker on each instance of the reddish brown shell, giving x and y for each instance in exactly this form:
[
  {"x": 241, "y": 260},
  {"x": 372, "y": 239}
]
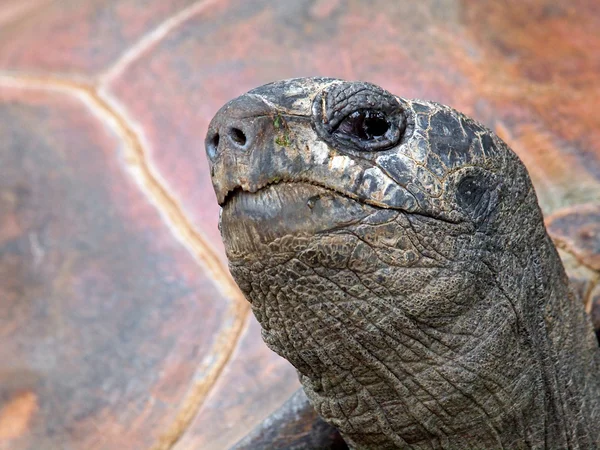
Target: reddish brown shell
[{"x": 120, "y": 325}]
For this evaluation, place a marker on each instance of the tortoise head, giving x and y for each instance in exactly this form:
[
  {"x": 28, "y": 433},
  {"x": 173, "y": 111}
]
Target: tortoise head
[
  {"x": 393, "y": 251},
  {"x": 303, "y": 156}
]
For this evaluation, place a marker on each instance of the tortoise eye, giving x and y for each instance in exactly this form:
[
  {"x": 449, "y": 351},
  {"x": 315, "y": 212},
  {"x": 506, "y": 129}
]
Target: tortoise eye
[
  {"x": 360, "y": 117},
  {"x": 368, "y": 130},
  {"x": 365, "y": 125}
]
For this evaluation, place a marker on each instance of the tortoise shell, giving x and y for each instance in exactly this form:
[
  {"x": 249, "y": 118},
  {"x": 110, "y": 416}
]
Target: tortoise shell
[{"x": 121, "y": 326}]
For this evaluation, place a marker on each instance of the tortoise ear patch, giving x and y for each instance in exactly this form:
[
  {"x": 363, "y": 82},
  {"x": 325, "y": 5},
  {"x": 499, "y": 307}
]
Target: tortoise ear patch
[
  {"x": 470, "y": 193},
  {"x": 477, "y": 194}
]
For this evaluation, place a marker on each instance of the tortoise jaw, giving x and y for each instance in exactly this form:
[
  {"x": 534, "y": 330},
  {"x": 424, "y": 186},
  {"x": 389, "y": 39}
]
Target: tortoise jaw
[{"x": 251, "y": 220}]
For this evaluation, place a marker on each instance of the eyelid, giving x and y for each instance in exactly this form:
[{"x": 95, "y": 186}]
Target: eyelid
[
  {"x": 365, "y": 111},
  {"x": 336, "y": 103},
  {"x": 339, "y": 115}
]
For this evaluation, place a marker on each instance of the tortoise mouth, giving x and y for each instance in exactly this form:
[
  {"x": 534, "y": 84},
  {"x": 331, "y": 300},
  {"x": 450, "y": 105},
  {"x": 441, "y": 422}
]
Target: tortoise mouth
[
  {"x": 250, "y": 220},
  {"x": 283, "y": 184}
]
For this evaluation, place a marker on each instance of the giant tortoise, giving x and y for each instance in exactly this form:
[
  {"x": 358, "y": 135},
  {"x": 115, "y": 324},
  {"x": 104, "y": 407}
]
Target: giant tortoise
[
  {"x": 121, "y": 327},
  {"x": 394, "y": 252}
]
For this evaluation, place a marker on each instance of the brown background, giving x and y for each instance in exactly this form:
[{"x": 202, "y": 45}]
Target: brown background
[{"x": 119, "y": 324}]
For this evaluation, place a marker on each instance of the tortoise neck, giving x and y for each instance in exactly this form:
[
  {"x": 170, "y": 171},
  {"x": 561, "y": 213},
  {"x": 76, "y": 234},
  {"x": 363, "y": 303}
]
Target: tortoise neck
[
  {"x": 529, "y": 376},
  {"x": 567, "y": 354}
]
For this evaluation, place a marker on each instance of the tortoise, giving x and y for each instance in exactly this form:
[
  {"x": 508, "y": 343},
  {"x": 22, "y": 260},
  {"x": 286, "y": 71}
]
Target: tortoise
[
  {"x": 394, "y": 252},
  {"x": 121, "y": 326}
]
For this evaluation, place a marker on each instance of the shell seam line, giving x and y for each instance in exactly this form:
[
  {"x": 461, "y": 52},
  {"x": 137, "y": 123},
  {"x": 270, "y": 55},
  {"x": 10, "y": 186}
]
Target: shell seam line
[
  {"x": 559, "y": 243},
  {"x": 154, "y": 36},
  {"x": 595, "y": 280},
  {"x": 104, "y": 106}
]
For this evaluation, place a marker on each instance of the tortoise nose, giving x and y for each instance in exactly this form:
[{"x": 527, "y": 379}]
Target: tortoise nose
[
  {"x": 236, "y": 127},
  {"x": 237, "y": 135}
]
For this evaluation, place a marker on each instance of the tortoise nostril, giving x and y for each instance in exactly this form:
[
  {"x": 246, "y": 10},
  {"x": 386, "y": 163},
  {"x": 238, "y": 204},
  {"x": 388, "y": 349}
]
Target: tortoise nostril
[
  {"x": 237, "y": 136},
  {"x": 212, "y": 145}
]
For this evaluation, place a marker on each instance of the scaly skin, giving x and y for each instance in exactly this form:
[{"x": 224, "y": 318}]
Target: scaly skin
[{"x": 401, "y": 264}]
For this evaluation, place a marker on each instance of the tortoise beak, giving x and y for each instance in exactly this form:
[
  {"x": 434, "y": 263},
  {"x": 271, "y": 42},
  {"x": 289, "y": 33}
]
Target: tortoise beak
[
  {"x": 241, "y": 136},
  {"x": 236, "y": 131},
  {"x": 268, "y": 136}
]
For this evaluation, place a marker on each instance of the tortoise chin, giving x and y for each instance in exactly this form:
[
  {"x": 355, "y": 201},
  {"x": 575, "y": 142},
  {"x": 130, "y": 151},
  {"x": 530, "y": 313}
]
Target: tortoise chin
[{"x": 251, "y": 221}]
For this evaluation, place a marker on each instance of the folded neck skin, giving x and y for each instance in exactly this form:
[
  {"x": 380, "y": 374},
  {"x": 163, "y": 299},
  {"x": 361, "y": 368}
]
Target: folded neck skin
[{"x": 394, "y": 252}]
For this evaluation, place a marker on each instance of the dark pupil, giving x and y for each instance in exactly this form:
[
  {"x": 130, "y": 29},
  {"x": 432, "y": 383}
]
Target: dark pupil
[{"x": 365, "y": 124}]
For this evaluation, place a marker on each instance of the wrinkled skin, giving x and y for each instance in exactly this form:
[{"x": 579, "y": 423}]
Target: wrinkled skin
[{"x": 394, "y": 252}]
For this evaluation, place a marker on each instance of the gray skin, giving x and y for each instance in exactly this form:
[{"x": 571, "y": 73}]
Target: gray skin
[{"x": 394, "y": 252}]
